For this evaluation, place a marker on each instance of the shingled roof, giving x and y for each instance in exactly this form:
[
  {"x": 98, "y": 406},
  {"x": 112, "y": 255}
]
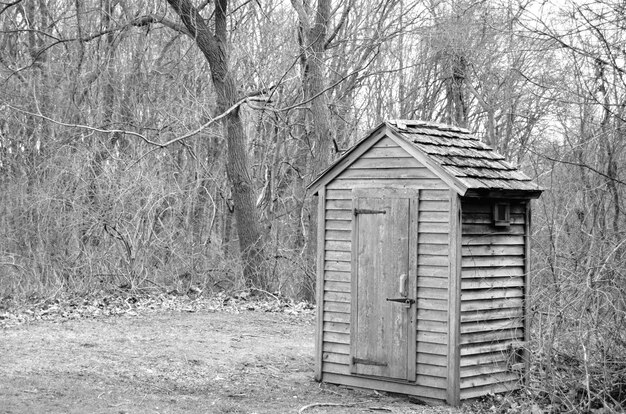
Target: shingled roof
[{"x": 455, "y": 155}]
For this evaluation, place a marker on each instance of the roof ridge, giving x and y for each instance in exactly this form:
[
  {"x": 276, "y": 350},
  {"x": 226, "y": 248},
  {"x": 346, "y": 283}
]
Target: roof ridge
[{"x": 404, "y": 123}]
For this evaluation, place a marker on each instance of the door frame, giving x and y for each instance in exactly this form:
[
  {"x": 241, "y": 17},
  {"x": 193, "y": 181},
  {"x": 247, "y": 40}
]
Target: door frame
[{"x": 413, "y": 195}]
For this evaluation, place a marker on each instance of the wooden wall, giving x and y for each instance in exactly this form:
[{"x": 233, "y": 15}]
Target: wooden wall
[
  {"x": 492, "y": 292},
  {"x": 386, "y": 165},
  {"x": 433, "y": 268}
]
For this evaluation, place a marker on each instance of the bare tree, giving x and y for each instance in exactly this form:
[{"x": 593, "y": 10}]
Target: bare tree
[{"x": 215, "y": 47}]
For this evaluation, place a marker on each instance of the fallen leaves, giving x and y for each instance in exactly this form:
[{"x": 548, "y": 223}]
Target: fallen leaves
[{"x": 126, "y": 304}]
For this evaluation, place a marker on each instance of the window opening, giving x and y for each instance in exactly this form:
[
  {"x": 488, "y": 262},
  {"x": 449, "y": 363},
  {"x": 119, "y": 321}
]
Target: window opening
[{"x": 502, "y": 214}]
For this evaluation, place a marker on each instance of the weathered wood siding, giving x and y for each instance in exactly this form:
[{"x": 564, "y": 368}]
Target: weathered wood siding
[
  {"x": 386, "y": 165},
  {"x": 492, "y": 294},
  {"x": 432, "y": 289}
]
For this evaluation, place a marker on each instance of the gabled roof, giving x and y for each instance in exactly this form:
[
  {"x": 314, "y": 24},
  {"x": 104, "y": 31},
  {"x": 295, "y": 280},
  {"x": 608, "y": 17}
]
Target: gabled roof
[{"x": 460, "y": 159}]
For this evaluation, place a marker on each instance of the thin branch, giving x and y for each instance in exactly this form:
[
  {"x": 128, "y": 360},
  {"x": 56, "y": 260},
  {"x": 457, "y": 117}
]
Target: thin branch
[
  {"x": 15, "y": 72},
  {"x": 37, "y": 31},
  {"x": 151, "y": 19},
  {"x": 239, "y": 7},
  {"x": 603, "y": 39},
  {"x": 263, "y": 91},
  {"x": 136, "y": 22},
  {"x": 341, "y": 80},
  {"x": 579, "y": 165},
  {"x": 203, "y": 5},
  {"x": 206, "y": 125},
  {"x": 342, "y": 21},
  {"x": 575, "y": 49},
  {"x": 314, "y": 405},
  {"x": 8, "y": 5},
  {"x": 135, "y": 134}
]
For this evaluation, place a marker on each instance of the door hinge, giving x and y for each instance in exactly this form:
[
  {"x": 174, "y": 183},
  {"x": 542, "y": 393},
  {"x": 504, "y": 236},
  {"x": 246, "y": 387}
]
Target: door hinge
[
  {"x": 368, "y": 211},
  {"x": 367, "y": 362}
]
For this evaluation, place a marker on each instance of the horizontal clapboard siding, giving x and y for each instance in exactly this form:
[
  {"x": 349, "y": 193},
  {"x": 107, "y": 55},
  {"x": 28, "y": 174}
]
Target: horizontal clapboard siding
[
  {"x": 336, "y": 317},
  {"x": 386, "y": 165},
  {"x": 432, "y": 288},
  {"x": 492, "y": 299},
  {"x": 337, "y": 276}
]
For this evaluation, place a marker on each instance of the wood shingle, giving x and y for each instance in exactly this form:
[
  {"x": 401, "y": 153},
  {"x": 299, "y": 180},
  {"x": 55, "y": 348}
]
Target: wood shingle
[{"x": 456, "y": 156}]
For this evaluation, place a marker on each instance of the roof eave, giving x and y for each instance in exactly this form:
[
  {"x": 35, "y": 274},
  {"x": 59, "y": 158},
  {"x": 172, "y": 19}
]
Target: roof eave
[{"x": 502, "y": 193}]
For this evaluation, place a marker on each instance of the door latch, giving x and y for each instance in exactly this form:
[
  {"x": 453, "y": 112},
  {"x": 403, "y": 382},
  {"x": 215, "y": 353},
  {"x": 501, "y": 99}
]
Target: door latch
[
  {"x": 358, "y": 211},
  {"x": 406, "y": 301}
]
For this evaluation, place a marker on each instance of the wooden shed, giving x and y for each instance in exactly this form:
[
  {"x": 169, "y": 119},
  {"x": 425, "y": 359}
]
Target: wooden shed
[{"x": 423, "y": 262}]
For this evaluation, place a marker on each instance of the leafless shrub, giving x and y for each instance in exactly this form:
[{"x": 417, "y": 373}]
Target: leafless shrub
[{"x": 578, "y": 300}]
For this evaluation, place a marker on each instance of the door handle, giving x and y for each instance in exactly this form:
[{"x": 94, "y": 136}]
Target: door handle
[
  {"x": 405, "y": 301},
  {"x": 403, "y": 285}
]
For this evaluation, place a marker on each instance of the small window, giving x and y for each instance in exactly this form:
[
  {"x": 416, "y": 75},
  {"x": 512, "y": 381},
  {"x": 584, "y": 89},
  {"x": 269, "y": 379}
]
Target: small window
[{"x": 502, "y": 214}]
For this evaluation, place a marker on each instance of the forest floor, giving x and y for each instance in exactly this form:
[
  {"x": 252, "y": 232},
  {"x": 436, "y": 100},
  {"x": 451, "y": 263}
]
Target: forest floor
[{"x": 171, "y": 355}]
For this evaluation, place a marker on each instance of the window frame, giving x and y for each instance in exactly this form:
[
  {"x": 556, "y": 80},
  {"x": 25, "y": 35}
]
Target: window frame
[{"x": 500, "y": 208}]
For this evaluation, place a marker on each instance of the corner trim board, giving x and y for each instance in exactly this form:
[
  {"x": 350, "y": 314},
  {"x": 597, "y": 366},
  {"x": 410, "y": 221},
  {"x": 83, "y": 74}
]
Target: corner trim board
[
  {"x": 526, "y": 313},
  {"x": 321, "y": 248},
  {"x": 454, "y": 302},
  {"x": 354, "y": 238}
]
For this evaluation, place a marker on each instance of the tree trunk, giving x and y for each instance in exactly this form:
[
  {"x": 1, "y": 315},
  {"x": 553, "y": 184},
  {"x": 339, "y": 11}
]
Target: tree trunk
[
  {"x": 319, "y": 127},
  {"x": 457, "y": 111},
  {"x": 215, "y": 48}
]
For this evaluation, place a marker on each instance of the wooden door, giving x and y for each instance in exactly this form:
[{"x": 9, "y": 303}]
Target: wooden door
[{"x": 383, "y": 287}]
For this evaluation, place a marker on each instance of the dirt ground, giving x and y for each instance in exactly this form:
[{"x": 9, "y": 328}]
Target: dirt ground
[{"x": 175, "y": 362}]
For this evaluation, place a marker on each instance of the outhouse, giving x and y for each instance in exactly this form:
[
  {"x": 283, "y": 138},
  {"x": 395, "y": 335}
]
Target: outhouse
[{"x": 423, "y": 263}]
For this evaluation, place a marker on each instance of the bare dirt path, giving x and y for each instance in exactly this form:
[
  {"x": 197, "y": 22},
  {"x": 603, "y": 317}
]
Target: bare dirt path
[{"x": 174, "y": 362}]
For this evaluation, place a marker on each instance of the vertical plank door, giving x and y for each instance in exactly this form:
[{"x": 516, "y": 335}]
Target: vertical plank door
[{"x": 380, "y": 328}]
